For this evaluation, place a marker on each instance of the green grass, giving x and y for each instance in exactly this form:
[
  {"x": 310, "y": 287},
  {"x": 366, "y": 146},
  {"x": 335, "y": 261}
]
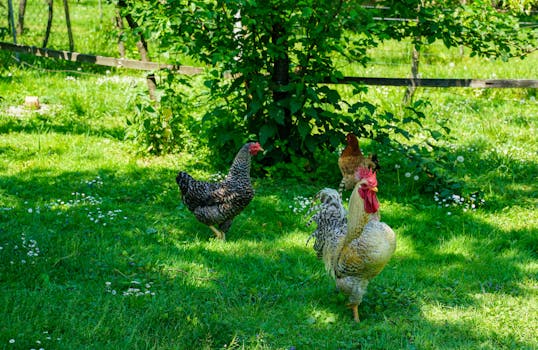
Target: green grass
[
  {"x": 465, "y": 280},
  {"x": 86, "y": 225}
]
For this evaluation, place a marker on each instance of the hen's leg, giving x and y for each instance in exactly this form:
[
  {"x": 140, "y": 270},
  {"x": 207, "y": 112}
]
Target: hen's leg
[
  {"x": 355, "y": 309},
  {"x": 219, "y": 234}
]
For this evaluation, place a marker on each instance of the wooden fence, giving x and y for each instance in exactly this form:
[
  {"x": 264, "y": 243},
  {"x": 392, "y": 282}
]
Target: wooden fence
[{"x": 188, "y": 70}]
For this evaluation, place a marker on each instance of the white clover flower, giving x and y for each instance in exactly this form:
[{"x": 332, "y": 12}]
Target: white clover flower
[
  {"x": 460, "y": 159},
  {"x": 448, "y": 213},
  {"x": 415, "y": 177},
  {"x": 11, "y": 341},
  {"x": 396, "y": 166},
  {"x": 30, "y": 210},
  {"x": 408, "y": 174}
]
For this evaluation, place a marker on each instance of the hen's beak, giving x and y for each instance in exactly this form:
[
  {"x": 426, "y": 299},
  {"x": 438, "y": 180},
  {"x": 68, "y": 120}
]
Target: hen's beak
[{"x": 374, "y": 188}]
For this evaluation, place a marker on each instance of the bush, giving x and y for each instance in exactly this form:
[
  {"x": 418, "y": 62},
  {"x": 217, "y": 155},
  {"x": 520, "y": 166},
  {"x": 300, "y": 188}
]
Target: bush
[{"x": 161, "y": 127}]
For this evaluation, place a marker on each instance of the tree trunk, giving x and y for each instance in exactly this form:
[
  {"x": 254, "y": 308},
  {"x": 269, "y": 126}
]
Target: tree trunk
[
  {"x": 280, "y": 78},
  {"x": 410, "y": 91},
  {"x": 119, "y": 25},
  {"x": 142, "y": 47},
  {"x": 152, "y": 86},
  {"x": 22, "y": 11}
]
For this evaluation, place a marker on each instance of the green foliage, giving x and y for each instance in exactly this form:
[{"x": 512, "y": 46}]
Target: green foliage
[
  {"x": 518, "y": 6},
  {"x": 475, "y": 24},
  {"x": 279, "y": 54},
  {"x": 160, "y": 127}
]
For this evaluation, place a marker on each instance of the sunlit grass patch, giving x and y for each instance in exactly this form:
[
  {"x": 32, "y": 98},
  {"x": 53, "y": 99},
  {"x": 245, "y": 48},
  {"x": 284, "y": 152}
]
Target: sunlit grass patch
[{"x": 112, "y": 258}]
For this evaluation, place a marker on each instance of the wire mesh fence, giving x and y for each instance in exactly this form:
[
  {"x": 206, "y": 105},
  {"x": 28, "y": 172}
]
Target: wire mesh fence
[
  {"x": 44, "y": 23},
  {"x": 62, "y": 25}
]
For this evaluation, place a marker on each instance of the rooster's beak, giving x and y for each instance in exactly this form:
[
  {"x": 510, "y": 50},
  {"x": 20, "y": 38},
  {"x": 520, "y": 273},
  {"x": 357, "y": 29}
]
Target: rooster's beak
[{"x": 374, "y": 188}]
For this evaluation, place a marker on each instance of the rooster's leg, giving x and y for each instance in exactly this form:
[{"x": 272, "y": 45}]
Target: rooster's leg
[
  {"x": 219, "y": 234},
  {"x": 355, "y": 309}
]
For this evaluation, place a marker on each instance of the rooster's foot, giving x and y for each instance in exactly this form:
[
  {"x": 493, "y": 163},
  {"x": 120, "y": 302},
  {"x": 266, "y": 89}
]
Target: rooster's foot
[
  {"x": 355, "y": 309},
  {"x": 219, "y": 234}
]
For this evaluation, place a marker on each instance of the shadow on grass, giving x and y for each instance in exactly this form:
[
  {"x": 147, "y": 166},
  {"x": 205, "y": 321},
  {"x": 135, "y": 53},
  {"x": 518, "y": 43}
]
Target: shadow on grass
[
  {"x": 256, "y": 287},
  {"x": 35, "y": 123}
]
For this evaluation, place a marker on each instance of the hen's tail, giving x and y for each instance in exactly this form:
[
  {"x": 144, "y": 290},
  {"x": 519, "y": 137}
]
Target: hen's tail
[
  {"x": 331, "y": 219},
  {"x": 182, "y": 180},
  {"x": 330, "y": 214},
  {"x": 341, "y": 187}
]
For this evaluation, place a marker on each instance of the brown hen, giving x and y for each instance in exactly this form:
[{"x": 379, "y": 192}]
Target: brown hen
[{"x": 352, "y": 158}]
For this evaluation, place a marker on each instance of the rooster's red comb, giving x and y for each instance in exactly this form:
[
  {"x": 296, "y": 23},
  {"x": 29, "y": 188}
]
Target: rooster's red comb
[{"x": 366, "y": 174}]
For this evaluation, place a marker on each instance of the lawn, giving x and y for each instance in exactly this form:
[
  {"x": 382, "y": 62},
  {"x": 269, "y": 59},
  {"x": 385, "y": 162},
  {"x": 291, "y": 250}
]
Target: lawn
[{"x": 97, "y": 251}]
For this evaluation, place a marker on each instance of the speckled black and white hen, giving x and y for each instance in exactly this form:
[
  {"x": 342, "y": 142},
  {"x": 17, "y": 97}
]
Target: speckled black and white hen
[{"x": 216, "y": 204}]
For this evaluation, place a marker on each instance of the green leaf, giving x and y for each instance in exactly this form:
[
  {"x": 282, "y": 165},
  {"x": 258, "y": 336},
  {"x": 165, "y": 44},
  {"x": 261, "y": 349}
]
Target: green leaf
[
  {"x": 304, "y": 128},
  {"x": 267, "y": 131},
  {"x": 295, "y": 106}
]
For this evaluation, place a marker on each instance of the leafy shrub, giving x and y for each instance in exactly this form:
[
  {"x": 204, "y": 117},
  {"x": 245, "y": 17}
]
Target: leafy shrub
[{"x": 160, "y": 127}]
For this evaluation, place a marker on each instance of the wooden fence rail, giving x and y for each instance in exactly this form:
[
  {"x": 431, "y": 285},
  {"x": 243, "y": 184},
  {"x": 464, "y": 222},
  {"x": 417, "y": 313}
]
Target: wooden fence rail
[
  {"x": 98, "y": 60},
  {"x": 188, "y": 70},
  {"x": 443, "y": 83}
]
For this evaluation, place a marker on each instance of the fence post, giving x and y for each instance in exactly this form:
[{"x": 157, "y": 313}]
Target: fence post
[
  {"x": 69, "y": 31},
  {"x": 12, "y": 20},
  {"x": 22, "y": 11},
  {"x": 49, "y": 23}
]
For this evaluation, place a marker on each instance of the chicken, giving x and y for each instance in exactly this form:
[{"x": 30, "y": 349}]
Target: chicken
[
  {"x": 355, "y": 248},
  {"x": 350, "y": 159},
  {"x": 217, "y": 204}
]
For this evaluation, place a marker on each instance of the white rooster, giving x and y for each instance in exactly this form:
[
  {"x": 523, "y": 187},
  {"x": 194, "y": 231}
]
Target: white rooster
[{"x": 355, "y": 248}]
